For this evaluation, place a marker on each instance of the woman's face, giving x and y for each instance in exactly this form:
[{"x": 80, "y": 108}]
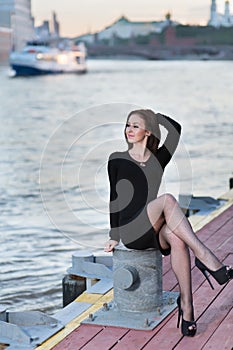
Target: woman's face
[{"x": 135, "y": 129}]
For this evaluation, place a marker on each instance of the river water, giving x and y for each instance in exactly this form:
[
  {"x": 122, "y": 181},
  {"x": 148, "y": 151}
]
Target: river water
[{"x": 56, "y": 134}]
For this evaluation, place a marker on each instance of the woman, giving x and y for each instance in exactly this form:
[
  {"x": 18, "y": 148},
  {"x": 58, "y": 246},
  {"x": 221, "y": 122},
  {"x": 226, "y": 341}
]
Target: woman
[{"x": 140, "y": 220}]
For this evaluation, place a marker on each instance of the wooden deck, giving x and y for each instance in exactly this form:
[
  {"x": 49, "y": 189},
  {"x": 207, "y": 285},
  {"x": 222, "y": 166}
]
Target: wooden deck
[{"x": 213, "y": 308}]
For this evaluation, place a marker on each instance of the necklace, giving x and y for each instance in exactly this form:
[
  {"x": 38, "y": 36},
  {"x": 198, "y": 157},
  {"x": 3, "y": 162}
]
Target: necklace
[{"x": 141, "y": 163}]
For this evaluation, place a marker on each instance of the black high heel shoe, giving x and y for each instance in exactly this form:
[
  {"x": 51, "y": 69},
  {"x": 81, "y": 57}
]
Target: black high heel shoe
[
  {"x": 222, "y": 275},
  {"x": 185, "y": 324}
]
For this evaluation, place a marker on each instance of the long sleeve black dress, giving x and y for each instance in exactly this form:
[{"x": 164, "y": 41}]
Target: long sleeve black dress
[{"x": 133, "y": 185}]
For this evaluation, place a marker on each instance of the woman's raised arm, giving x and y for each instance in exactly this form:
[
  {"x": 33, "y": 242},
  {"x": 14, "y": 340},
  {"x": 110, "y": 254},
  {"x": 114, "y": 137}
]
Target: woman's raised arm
[{"x": 166, "y": 151}]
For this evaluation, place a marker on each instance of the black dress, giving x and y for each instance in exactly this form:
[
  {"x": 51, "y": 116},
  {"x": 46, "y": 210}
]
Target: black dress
[{"x": 133, "y": 185}]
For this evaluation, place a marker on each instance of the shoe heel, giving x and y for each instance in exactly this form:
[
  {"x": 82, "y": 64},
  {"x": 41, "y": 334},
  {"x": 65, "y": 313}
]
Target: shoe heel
[
  {"x": 179, "y": 311},
  {"x": 203, "y": 269},
  {"x": 178, "y": 321},
  {"x": 205, "y": 273}
]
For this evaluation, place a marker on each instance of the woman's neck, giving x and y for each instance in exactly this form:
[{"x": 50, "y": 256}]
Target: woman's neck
[{"x": 139, "y": 151}]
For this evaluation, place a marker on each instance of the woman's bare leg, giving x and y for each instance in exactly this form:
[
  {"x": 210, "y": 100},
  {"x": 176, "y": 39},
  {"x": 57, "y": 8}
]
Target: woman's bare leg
[
  {"x": 167, "y": 208},
  {"x": 180, "y": 261}
]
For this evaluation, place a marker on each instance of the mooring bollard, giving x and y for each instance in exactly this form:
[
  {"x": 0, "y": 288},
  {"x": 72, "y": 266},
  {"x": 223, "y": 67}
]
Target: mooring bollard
[
  {"x": 139, "y": 301},
  {"x": 231, "y": 183},
  {"x": 137, "y": 280},
  {"x": 3, "y": 313},
  {"x": 73, "y": 285}
]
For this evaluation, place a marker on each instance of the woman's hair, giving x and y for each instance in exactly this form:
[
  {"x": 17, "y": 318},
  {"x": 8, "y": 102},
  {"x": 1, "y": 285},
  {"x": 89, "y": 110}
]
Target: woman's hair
[{"x": 151, "y": 124}]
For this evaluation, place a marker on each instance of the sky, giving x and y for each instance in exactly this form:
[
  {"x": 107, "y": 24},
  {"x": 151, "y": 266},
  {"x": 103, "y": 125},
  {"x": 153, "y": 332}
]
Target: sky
[{"x": 78, "y": 17}]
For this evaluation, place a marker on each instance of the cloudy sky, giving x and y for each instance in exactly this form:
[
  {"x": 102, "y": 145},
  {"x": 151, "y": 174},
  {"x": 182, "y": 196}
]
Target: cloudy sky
[{"x": 81, "y": 16}]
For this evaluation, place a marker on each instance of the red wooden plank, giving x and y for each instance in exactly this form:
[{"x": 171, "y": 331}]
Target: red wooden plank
[
  {"x": 106, "y": 339},
  {"x": 224, "y": 250},
  {"x": 166, "y": 264},
  {"x": 229, "y": 259},
  {"x": 78, "y": 338},
  {"x": 169, "y": 280},
  {"x": 166, "y": 338},
  {"x": 135, "y": 340},
  {"x": 223, "y": 337},
  {"x": 216, "y": 242},
  {"x": 216, "y": 224},
  {"x": 220, "y": 236}
]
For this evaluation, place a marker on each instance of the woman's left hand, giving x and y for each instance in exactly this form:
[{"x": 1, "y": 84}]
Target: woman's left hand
[{"x": 110, "y": 245}]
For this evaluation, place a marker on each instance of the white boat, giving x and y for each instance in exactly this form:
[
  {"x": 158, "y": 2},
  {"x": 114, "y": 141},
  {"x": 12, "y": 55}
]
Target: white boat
[{"x": 40, "y": 59}]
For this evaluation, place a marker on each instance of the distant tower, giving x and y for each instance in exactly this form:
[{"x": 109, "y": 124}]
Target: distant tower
[
  {"x": 168, "y": 18},
  {"x": 213, "y": 6},
  {"x": 55, "y": 25},
  {"x": 213, "y": 10},
  {"x": 213, "y": 14},
  {"x": 227, "y": 12}
]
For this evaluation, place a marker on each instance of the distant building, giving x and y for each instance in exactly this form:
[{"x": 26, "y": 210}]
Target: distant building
[
  {"x": 171, "y": 38},
  {"x": 42, "y": 31},
  {"x": 16, "y": 18},
  {"x": 48, "y": 29},
  {"x": 218, "y": 19},
  {"x": 123, "y": 28},
  {"x": 5, "y": 43}
]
